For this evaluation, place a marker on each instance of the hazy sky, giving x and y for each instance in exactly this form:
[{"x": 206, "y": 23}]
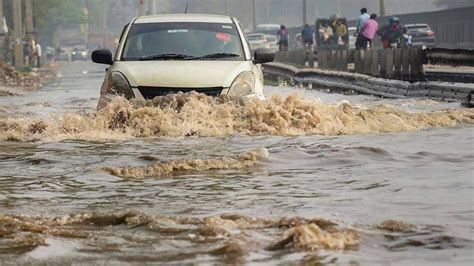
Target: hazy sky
[
  {"x": 287, "y": 12},
  {"x": 290, "y": 11}
]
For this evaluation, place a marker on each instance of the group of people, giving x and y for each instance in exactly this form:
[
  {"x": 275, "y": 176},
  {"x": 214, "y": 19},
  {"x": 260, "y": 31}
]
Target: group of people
[
  {"x": 32, "y": 51},
  {"x": 367, "y": 27},
  {"x": 334, "y": 32}
]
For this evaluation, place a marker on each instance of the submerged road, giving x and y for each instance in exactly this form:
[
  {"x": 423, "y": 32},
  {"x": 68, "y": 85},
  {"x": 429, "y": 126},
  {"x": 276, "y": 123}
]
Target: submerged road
[{"x": 394, "y": 190}]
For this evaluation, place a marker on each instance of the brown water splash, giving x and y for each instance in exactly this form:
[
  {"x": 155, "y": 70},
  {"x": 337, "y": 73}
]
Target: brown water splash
[
  {"x": 216, "y": 235},
  {"x": 179, "y": 167},
  {"x": 312, "y": 237},
  {"x": 226, "y": 237},
  {"x": 396, "y": 226},
  {"x": 195, "y": 114}
]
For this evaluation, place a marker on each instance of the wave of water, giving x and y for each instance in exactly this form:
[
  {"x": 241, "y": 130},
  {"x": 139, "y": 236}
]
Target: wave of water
[
  {"x": 230, "y": 238},
  {"x": 192, "y": 114}
]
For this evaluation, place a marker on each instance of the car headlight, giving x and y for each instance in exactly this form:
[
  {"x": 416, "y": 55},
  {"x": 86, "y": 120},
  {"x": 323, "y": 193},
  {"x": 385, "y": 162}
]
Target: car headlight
[
  {"x": 243, "y": 84},
  {"x": 73, "y": 53},
  {"x": 84, "y": 53},
  {"x": 118, "y": 85}
]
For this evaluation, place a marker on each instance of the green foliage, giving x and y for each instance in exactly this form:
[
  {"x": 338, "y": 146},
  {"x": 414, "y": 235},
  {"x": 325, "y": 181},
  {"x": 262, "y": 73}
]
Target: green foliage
[{"x": 52, "y": 13}]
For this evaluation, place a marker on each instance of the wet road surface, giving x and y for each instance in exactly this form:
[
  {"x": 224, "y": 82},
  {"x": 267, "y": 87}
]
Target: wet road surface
[{"x": 402, "y": 197}]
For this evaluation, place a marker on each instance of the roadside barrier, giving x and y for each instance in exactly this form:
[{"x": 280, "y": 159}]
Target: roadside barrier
[
  {"x": 365, "y": 84},
  {"x": 401, "y": 63},
  {"x": 464, "y": 57}
]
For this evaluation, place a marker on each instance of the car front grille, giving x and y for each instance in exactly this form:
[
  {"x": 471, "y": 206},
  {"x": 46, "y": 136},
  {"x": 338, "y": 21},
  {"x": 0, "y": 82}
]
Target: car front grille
[{"x": 151, "y": 92}]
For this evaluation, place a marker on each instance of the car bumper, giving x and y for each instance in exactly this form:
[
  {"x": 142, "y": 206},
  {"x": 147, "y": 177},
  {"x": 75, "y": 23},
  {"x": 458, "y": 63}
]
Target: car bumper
[
  {"x": 107, "y": 98},
  {"x": 418, "y": 42}
]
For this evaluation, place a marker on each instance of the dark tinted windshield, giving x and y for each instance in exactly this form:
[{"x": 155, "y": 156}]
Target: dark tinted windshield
[{"x": 190, "y": 39}]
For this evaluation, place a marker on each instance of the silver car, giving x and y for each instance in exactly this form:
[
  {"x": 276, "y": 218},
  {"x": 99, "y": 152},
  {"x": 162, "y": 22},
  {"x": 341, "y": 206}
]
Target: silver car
[
  {"x": 257, "y": 40},
  {"x": 273, "y": 43},
  {"x": 164, "y": 54}
]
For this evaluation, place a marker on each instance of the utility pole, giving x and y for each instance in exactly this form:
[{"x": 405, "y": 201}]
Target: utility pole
[
  {"x": 141, "y": 8},
  {"x": 305, "y": 18},
  {"x": 150, "y": 7},
  {"x": 104, "y": 22},
  {"x": 254, "y": 15},
  {"x": 154, "y": 4},
  {"x": 2, "y": 33},
  {"x": 104, "y": 17},
  {"x": 383, "y": 11},
  {"x": 29, "y": 18},
  {"x": 30, "y": 30},
  {"x": 18, "y": 34},
  {"x": 1, "y": 17},
  {"x": 267, "y": 10},
  {"x": 226, "y": 7}
]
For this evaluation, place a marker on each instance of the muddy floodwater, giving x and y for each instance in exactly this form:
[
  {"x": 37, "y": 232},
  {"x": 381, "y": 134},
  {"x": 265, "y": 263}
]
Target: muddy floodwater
[{"x": 305, "y": 177}]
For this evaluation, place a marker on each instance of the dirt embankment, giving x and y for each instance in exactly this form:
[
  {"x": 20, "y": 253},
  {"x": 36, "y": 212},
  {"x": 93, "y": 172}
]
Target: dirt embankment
[{"x": 13, "y": 82}]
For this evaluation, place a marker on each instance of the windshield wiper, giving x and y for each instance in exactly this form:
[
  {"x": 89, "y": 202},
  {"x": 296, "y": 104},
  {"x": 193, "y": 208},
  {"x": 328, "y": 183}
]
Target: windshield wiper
[
  {"x": 165, "y": 57},
  {"x": 214, "y": 56}
]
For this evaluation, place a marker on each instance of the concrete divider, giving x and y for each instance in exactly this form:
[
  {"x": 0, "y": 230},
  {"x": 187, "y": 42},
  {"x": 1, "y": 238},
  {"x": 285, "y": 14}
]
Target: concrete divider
[{"x": 390, "y": 88}]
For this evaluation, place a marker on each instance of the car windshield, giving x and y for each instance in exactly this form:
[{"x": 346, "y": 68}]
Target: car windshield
[{"x": 183, "y": 40}]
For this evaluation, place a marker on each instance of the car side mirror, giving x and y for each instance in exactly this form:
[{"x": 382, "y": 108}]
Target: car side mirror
[
  {"x": 103, "y": 56},
  {"x": 263, "y": 55}
]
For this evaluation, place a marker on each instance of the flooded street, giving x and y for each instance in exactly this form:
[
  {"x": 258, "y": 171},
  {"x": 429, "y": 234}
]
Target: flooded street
[{"x": 370, "y": 181}]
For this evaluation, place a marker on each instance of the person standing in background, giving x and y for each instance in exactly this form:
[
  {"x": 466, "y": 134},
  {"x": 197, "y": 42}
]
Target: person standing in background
[
  {"x": 368, "y": 32},
  {"x": 283, "y": 37},
  {"x": 359, "y": 24},
  {"x": 39, "y": 54},
  {"x": 307, "y": 34},
  {"x": 392, "y": 34},
  {"x": 341, "y": 31}
]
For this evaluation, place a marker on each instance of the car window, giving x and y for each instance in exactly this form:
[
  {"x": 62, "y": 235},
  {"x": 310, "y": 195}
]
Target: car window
[
  {"x": 255, "y": 37},
  {"x": 418, "y": 28},
  {"x": 271, "y": 38},
  {"x": 268, "y": 28},
  {"x": 188, "y": 38}
]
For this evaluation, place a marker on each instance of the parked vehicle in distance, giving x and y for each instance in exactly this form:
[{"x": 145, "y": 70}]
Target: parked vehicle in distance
[
  {"x": 257, "y": 40},
  {"x": 352, "y": 37},
  {"x": 298, "y": 42},
  {"x": 61, "y": 55},
  {"x": 273, "y": 43},
  {"x": 79, "y": 53},
  {"x": 422, "y": 35},
  {"x": 270, "y": 29},
  {"x": 173, "y": 53}
]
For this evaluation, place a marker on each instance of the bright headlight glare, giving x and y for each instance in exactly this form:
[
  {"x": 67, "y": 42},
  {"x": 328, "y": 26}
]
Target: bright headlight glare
[
  {"x": 244, "y": 84},
  {"x": 118, "y": 84}
]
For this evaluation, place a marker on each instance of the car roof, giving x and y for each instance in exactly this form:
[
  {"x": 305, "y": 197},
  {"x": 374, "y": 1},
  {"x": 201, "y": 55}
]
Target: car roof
[
  {"x": 417, "y": 25},
  {"x": 205, "y": 18},
  {"x": 268, "y": 26},
  {"x": 256, "y": 34}
]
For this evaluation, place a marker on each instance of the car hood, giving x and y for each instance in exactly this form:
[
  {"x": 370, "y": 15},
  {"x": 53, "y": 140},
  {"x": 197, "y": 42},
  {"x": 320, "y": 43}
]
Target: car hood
[{"x": 181, "y": 74}]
